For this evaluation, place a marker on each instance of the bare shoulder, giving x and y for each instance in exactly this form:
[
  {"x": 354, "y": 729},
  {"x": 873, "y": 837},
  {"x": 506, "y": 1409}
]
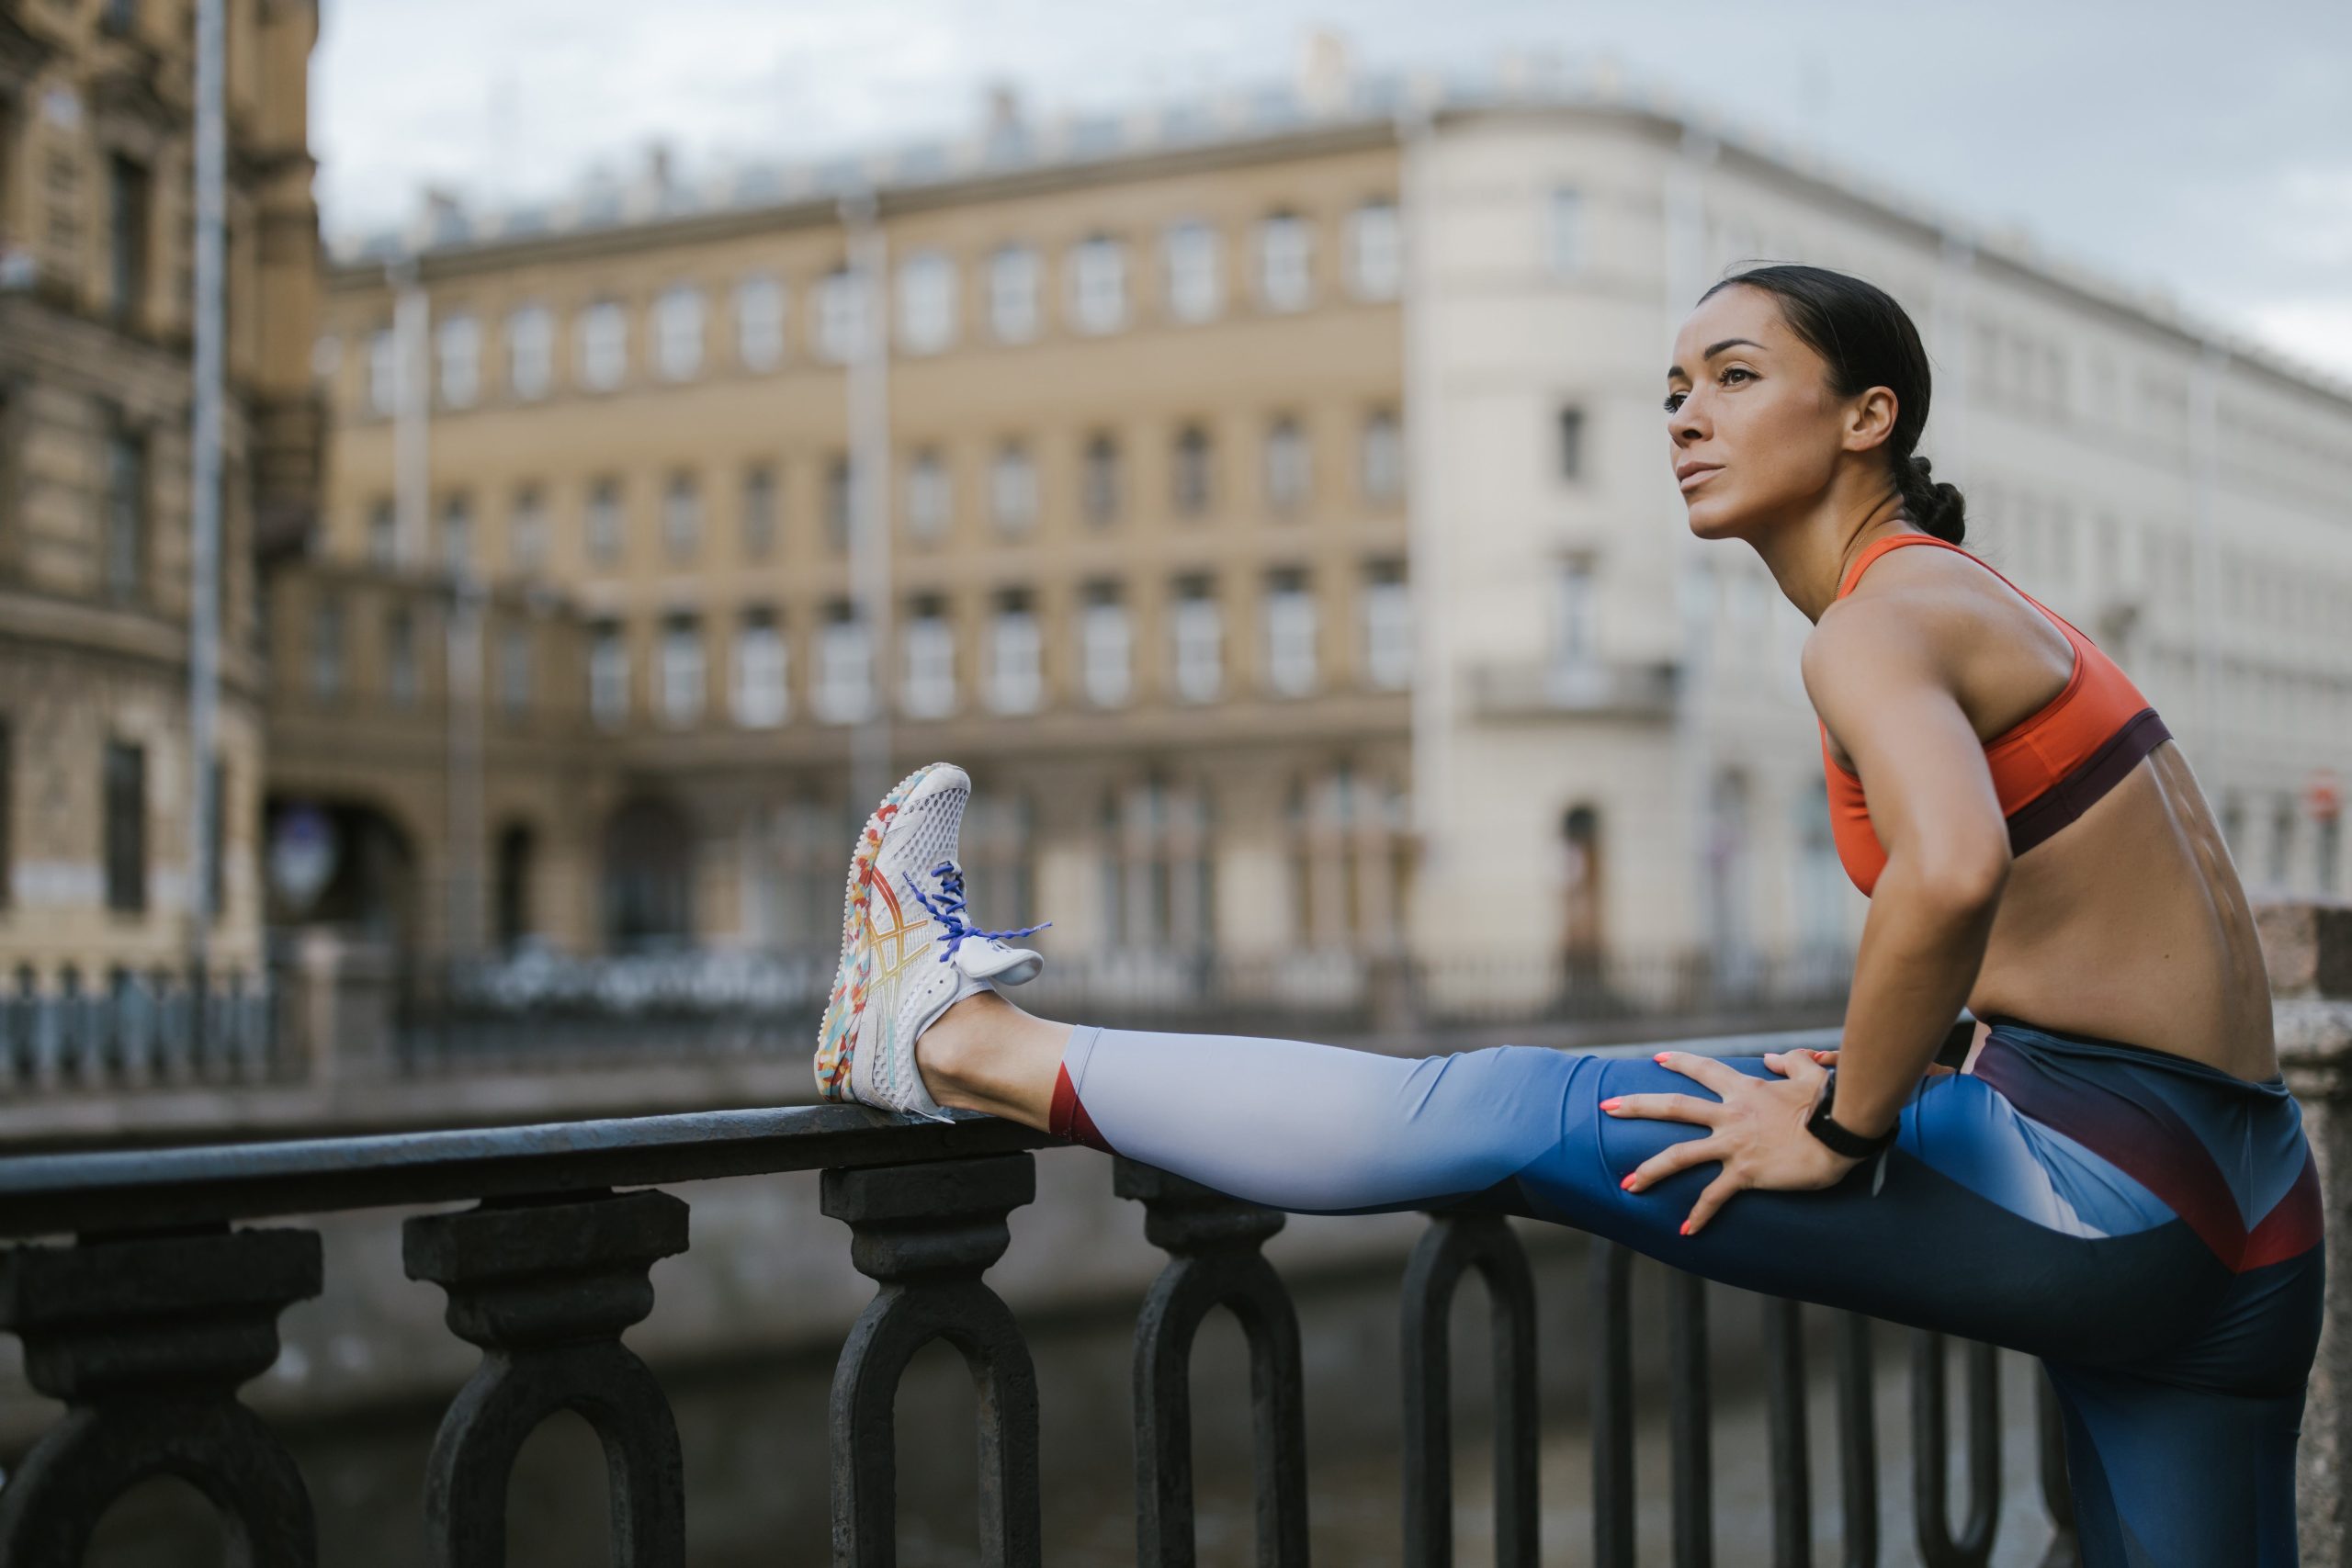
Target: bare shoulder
[{"x": 1928, "y": 615}]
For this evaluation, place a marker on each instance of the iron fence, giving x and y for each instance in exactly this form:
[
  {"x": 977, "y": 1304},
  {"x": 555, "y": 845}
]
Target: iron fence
[
  {"x": 148, "y": 1322},
  {"x": 137, "y": 1032}
]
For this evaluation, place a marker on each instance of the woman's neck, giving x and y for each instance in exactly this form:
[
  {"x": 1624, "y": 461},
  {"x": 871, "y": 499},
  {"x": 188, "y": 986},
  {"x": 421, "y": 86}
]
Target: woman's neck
[{"x": 1809, "y": 556}]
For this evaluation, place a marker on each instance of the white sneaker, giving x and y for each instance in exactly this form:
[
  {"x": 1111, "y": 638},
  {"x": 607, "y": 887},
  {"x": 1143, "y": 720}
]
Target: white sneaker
[{"x": 909, "y": 951}]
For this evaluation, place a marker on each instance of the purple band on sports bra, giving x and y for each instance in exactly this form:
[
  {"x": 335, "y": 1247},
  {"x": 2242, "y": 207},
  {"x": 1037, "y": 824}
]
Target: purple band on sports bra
[{"x": 2076, "y": 793}]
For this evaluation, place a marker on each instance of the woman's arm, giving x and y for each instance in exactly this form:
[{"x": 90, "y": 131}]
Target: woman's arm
[
  {"x": 1887, "y": 693},
  {"x": 1883, "y": 686}
]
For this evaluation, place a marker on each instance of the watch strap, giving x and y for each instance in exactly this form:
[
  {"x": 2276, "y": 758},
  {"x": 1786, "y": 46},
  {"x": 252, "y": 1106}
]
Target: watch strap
[{"x": 1843, "y": 1140}]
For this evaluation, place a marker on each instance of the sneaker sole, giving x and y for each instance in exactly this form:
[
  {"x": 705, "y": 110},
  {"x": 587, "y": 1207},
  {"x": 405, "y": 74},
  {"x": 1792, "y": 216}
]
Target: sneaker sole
[{"x": 837, "y": 1034}]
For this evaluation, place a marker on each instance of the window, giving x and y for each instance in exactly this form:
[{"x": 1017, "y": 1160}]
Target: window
[
  {"x": 515, "y": 670},
  {"x": 1570, "y": 432},
  {"x": 1572, "y": 614},
  {"x": 457, "y": 344},
  {"x": 1099, "y": 479},
  {"x": 760, "y": 695},
  {"x": 1199, "y": 633},
  {"x": 603, "y": 346},
  {"x": 1382, "y": 469},
  {"x": 1013, "y": 489},
  {"x": 1016, "y": 680},
  {"x": 7, "y": 814},
  {"x": 1564, "y": 231},
  {"x": 840, "y": 501},
  {"x": 458, "y": 535},
  {"x": 928, "y": 499},
  {"x": 1376, "y": 250},
  {"x": 326, "y": 650},
  {"x": 530, "y": 352},
  {"x": 926, "y": 302},
  {"x": 605, "y": 521},
  {"x": 1284, "y": 259},
  {"x": 1098, "y": 286},
  {"x": 840, "y": 316},
  {"x": 1290, "y": 635},
  {"x": 527, "y": 531},
  {"x": 383, "y": 371},
  {"x": 682, "y": 517},
  {"x": 759, "y": 511},
  {"x": 608, "y": 675},
  {"x": 399, "y": 658},
  {"x": 677, "y": 332},
  {"x": 929, "y": 679},
  {"x": 126, "y": 542},
  {"x": 127, "y": 208},
  {"x": 1106, "y": 650},
  {"x": 683, "y": 681},
  {"x": 759, "y": 321},
  {"x": 1286, "y": 466},
  {"x": 1189, "y": 474},
  {"x": 1388, "y": 627},
  {"x": 126, "y": 826},
  {"x": 1012, "y": 294},
  {"x": 2327, "y": 841},
  {"x": 1195, "y": 285},
  {"x": 383, "y": 533},
  {"x": 845, "y": 668},
  {"x": 2282, "y": 840}
]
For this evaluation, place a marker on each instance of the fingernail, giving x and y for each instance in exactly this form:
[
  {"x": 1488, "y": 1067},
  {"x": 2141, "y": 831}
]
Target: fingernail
[
  {"x": 1659, "y": 1057},
  {"x": 1611, "y": 1104},
  {"x": 1686, "y": 1227},
  {"x": 1627, "y": 1184}
]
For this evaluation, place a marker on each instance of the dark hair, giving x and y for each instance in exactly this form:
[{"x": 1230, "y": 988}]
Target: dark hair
[{"x": 1868, "y": 342}]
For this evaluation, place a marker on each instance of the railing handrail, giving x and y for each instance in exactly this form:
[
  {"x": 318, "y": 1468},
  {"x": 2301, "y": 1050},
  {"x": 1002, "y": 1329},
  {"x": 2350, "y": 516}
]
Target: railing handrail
[{"x": 99, "y": 1191}]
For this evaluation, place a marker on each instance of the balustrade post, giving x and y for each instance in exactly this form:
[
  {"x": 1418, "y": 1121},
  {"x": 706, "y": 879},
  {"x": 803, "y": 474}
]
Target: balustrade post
[
  {"x": 147, "y": 1340},
  {"x": 1451, "y": 1247},
  {"x": 1216, "y": 1262},
  {"x": 546, "y": 1289},
  {"x": 2308, "y": 948},
  {"x": 1939, "y": 1547},
  {"x": 925, "y": 1234}
]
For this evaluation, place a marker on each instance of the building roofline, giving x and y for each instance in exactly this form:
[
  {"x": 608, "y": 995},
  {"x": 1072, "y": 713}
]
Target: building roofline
[{"x": 1398, "y": 112}]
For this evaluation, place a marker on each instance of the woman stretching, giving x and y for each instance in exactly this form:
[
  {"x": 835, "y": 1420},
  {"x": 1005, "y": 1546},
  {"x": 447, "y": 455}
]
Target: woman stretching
[{"x": 2115, "y": 1181}]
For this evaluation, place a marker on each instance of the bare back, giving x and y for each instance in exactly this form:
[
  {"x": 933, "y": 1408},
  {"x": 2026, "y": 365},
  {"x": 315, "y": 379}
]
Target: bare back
[{"x": 2129, "y": 923}]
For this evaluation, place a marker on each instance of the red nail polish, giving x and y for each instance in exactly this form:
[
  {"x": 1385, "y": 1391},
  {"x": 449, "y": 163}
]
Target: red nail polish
[
  {"x": 1686, "y": 1227},
  {"x": 1611, "y": 1104},
  {"x": 1659, "y": 1058},
  {"x": 1627, "y": 1185}
]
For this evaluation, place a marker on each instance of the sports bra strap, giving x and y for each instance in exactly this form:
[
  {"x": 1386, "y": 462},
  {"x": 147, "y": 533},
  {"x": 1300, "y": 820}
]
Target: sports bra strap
[{"x": 1871, "y": 553}]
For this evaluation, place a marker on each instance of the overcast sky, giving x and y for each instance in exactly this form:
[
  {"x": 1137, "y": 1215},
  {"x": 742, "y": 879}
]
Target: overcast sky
[{"x": 2202, "y": 148}]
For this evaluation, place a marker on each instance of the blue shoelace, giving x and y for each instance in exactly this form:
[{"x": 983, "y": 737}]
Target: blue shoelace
[{"x": 951, "y": 913}]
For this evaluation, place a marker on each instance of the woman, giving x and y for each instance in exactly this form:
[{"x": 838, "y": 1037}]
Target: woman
[{"x": 2119, "y": 1186}]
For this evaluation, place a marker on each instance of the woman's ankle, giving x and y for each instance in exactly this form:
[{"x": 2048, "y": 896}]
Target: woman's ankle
[{"x": 984, "y": 1053}]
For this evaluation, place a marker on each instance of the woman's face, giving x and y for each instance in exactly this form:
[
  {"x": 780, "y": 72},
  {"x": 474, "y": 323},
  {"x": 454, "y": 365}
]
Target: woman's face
[{"x": 1754, "y": 428}]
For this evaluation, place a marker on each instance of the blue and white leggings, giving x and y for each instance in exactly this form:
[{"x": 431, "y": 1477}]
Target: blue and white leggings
[{"x": 2147, "y": 1225}]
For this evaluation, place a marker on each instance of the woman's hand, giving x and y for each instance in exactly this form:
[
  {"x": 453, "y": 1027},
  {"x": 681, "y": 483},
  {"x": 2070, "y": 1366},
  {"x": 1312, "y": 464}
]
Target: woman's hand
[{"x": 1756, "y": 1129}]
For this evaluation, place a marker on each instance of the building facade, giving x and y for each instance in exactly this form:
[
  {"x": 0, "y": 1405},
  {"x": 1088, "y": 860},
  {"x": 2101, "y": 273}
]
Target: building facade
[
  {"x": 1275, "y": 529},
  {"x": 96, "y": 151}
]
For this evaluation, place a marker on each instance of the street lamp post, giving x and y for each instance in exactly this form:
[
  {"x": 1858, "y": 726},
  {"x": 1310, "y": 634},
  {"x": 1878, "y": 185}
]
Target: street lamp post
[{"x": 204, "y": 492}]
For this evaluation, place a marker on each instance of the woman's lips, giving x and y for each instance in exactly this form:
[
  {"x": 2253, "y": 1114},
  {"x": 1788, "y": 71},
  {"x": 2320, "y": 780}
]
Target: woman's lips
[{"x": 1698, "y": 477}]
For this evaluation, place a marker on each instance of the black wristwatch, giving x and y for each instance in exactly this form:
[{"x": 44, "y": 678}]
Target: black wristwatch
[{"x": 1844, "y": 1140}]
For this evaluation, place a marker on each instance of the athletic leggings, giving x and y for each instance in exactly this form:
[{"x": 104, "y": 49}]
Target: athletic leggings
[{"x": 2147, "y": 1225}]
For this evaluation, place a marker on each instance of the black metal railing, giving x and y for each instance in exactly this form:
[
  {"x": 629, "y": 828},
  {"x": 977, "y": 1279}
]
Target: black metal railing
[{"x": 148, "y": 1321}]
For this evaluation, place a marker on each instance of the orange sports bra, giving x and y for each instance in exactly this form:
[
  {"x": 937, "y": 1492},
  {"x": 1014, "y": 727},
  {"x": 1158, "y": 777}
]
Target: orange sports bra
[{"x": 2047, "y": 771}]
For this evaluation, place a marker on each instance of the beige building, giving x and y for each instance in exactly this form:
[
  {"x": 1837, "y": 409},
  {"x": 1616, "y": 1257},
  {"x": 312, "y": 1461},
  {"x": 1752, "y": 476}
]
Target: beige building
[
  {"x": 1150, "y": 391},
  {"x": 95, "y": 298}
]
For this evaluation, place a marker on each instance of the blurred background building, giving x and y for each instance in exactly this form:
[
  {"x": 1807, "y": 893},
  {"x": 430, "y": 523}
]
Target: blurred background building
[
  {"x": 1259, "y": 493},
  {"x": 97, "y": 852},
  {"x": 1276, "y": 529}
]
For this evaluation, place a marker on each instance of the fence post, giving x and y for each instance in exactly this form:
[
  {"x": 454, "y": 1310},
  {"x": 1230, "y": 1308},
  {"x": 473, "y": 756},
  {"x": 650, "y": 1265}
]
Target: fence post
[{"x": 2308, "y": 949}]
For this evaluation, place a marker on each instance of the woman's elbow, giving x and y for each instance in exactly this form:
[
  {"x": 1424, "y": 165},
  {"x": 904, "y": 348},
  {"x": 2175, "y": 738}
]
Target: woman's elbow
[{"x": 1962, "y": 877}]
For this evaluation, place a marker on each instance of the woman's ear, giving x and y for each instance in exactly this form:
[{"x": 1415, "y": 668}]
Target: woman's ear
[{"x": 1870, "y": 419}]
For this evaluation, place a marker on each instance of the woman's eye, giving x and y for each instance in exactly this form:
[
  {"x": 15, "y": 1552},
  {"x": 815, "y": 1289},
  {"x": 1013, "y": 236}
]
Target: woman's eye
[
  {"x": 1738, "y": 370},
  {"x": 1673, "y": 402}
]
